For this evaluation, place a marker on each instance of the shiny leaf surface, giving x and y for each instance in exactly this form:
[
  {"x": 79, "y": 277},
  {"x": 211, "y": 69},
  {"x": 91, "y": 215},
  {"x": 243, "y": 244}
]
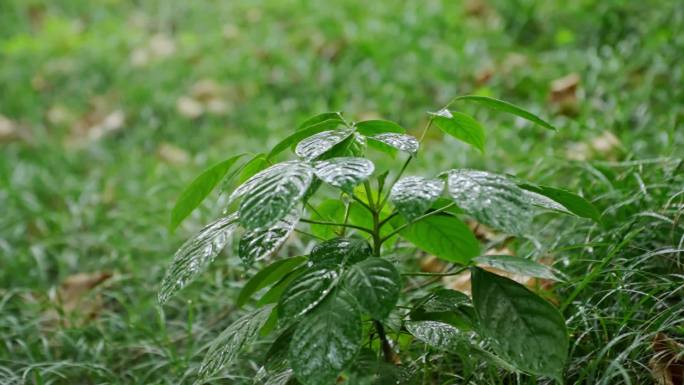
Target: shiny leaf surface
[
  {"x": 412, "y": 196},
  {"x": 344, "y": 172},
  {"x": 375, "y": 283}
]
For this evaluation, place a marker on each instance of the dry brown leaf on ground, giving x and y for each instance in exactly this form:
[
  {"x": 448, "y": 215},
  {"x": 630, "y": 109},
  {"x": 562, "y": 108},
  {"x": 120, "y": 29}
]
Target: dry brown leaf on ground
[
  {"x": 172, "y": 154},
  {"x": 8, "y": 130},
  {"x": 667, "y": 364},
  {"x": 605, "y": 146},
  {"x": 75, "y": 300},
  {"x": 563, "y": 94}
]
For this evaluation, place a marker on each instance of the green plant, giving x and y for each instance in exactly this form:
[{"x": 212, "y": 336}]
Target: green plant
[{"x": 347, "y": 290}]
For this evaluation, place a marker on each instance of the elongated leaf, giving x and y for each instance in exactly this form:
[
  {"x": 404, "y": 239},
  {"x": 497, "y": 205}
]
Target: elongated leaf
[
  {"x": 274, "y": 294},
  {"x": 267, "y": 276},
  {"x": 262, "y": 242},
  {"x": 412, "y": 196},
  {"x": 195, "y": 193},
  {"x": 306, "y": 292},
  {"x": 446, "y": 237},
  {"x": 375, "y": 127},
  {"x": 402, "y": 142},
  {"x": 344, "y": 172},
  {"x": 326, "y": 120},
  {"x": 570, "y": 201},
  {"x": 273, "y": 193},
  {"x": 255, "y": 165},
  {"x": 317, "y": 145},
  {"x": 462, "y": 127},
  {"x": 519, "y": 265},
  {"x": 375, "y": 284},
  {"x": 231, "y": 341},
  {"x": 525, "y": 330},
  {"x": 326, "y": 341},
  {"x": 196, "y": 254},
  {"x": 492, "y": 199},
  {"x": 296, "y": 138},
  {"x": 339, "y": 251},
  {"x": 500, "y": 105}
]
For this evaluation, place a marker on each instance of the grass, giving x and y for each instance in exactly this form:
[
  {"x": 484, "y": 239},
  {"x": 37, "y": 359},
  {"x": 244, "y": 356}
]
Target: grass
[{"x": 74, "y": 203}]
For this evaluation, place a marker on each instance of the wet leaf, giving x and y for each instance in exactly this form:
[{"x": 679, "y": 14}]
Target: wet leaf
[
  {"x": 307, "y": 291},
  {"x": 273, "y": 193},
  {"x": 491, "y": 199},
  {"x": 267, "y": 276},
  {"x": 500, "y": 105},
  {"x": 231, "y": 341},
  {"x": 375, "y": 127},
  {"x": 402, "y": 142},
  {"x": 339, "y": 251},
  {"x": 519, "y": 265},
  {"x": 262, "y": 242},
  {"x": 444, "y": 236},
  {"x": 445, "y": 300},
  {"x": 439, "y": 335},
  {"x": 195, "y": 193},
  {"x": 344, "y": 172},
  {"x": 274, "y": 293},
  {"x": 196, "y": 254},
  {"x": 375, "y": 284},
  {"x": 525, "y": 330},
  {"x": 317, "y": 145},
  {"x": 326, "y": 341},
  {"x": 296, "y": 138},
  {"x": 412, "y": 196},
  {"x": 462, "y": 127}
]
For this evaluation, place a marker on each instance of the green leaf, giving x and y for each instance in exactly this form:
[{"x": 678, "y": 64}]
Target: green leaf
[
  {"x": 440, "y": 203},
  {"x": 519, "y": 265},
  {"x": 492, "y": 199},
  {"x": 402, "y": 142},
  {"x": 437, "y": 334},
  {"x": 570, "y": 201},
  {"x": 326, "y": 120},
  {"x": 296, "y": 138},
  {"x": 344, "y": 172},
  {"x": 231, "y": 341},
  {"x": 326, "y": 341},
  {"x": 500, "y": 105},
  {"x": 461, "y": 126},
  {"x": 257, "y": 164},
  {"x": 374, "y": 127},
  {"x": 276, "y": 292},
  {"x": 444, "y": 300},
  {"x": 273, "y": 193},
  {"x": 262, "y": 242},
  {"x": 330, "y": 210},
  {"x": 525, "y": 330},
  {"x": 446, "y": 237},
  {"x": 382, "y": 147},
  {"x": 195, "y": 193},
  {"x": 307, "y": 291},
  {"x": 196, "y": 254},
  {"x": 317, "y": 145},
  {"x": 412, "y": 196},
  {"x": 340, "y": 251},
  {"x": 267, "y": 276},
  {"x": 375, "y": 283}
]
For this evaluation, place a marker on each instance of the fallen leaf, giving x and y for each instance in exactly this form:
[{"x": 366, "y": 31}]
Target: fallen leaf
[
  {"x": 172, "y": 154},
  {"x": 189, "y": 107},
  {"x": 563, "y": 94},
  {"x": 76, "y": 301},
  {"x": 8, "y": 130},
  {"x": 667, "y": 364}
]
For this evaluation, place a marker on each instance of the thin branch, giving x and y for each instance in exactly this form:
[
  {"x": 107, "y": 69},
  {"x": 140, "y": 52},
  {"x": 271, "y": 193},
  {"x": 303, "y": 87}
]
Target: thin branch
[
  {"x": 405, "y": 225},
  {"x": 384, "y": 221},
  {"x": 428, "y": 274},
  {"x": 369, "y": 231}
]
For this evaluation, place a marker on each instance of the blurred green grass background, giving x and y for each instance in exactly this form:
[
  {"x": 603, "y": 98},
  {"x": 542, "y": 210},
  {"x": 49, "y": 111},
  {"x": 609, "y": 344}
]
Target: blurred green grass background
[{"x": 108, "y": 108}]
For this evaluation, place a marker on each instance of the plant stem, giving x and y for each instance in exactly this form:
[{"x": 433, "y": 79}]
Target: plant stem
[
  {"x": 389, "y": 354},
  {"x": 405, "y": 225},
  {"x": 369, "y": 231},
  {"x": 428, "y": 274}
]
